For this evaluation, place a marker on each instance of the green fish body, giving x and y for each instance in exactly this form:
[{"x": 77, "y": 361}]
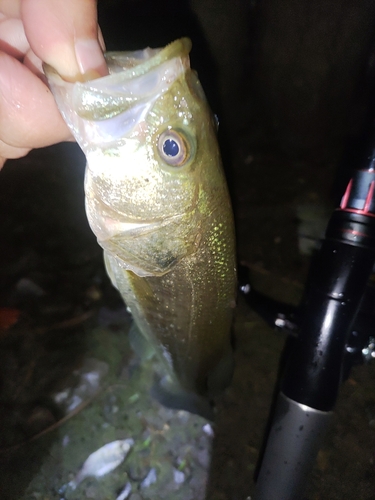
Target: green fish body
[{"x": 157, "y": 200}]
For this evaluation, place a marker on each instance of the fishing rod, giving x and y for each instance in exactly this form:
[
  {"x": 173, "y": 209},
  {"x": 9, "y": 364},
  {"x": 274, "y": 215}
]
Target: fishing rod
[{"x": 331, "y": 330}]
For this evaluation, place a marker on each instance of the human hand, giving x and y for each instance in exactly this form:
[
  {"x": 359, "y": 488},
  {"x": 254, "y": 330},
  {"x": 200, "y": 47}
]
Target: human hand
[{"x": 62, "y": 33}]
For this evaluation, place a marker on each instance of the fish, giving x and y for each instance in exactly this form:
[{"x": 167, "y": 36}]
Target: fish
[
  {"x": 103, "y": 460},
  {"x": 157, "y": 200}
]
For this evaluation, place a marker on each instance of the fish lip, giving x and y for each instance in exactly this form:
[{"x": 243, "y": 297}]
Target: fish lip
[{"x": 151, "y": 58}]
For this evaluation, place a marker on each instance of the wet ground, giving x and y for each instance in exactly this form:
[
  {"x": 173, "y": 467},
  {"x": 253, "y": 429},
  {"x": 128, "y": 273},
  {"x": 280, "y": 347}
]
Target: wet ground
[{"x": 70, "y": 382}]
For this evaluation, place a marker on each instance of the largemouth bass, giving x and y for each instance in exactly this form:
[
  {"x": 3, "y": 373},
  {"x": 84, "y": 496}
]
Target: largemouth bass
[{"x": 157, "y": 200}]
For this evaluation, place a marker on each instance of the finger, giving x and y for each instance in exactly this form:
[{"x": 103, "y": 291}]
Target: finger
[
  {"x": 11, "y": 8},
  {"x": 8, "y": 153},
  {"x": 28, "y": 114},
  {"x": 13, "y": 40},
  {"x": 64, "y": 34}
]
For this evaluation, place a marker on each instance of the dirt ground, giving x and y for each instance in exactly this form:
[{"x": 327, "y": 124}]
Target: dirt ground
[{"x": 70, "y": 383}]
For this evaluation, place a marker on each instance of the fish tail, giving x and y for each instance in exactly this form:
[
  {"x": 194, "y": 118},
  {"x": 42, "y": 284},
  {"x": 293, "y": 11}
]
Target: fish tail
[
  {"x": 171, "y": 395},
  {"x": 221, "y": 376}
]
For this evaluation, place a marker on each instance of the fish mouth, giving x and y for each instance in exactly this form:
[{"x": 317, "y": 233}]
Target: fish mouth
[
  {"x": 102, "y": 110},
  {"x": 134, "y": 78}
]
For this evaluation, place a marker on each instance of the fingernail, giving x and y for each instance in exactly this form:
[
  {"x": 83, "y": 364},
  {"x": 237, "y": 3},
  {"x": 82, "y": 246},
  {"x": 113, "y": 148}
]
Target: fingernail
[{"x": 90, "y": 57}]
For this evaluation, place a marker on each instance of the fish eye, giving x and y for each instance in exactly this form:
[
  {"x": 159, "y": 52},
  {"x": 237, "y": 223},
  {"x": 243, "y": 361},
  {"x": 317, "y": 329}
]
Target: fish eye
[{"x": 173, "y": 148}]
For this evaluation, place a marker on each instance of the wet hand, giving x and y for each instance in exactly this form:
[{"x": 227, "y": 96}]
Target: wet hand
[{"x": 63, "y": 33}]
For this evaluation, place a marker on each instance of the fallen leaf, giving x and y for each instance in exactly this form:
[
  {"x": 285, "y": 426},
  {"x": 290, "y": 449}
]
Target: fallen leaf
[{"x": 8, "y": 318}]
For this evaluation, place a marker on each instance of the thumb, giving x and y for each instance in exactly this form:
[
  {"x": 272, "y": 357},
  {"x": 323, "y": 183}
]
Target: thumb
[{"x": 64, "y": 34}]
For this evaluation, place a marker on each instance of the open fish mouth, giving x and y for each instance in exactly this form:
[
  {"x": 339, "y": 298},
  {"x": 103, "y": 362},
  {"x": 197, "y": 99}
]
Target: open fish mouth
[{"x": 103, "y": 109}]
